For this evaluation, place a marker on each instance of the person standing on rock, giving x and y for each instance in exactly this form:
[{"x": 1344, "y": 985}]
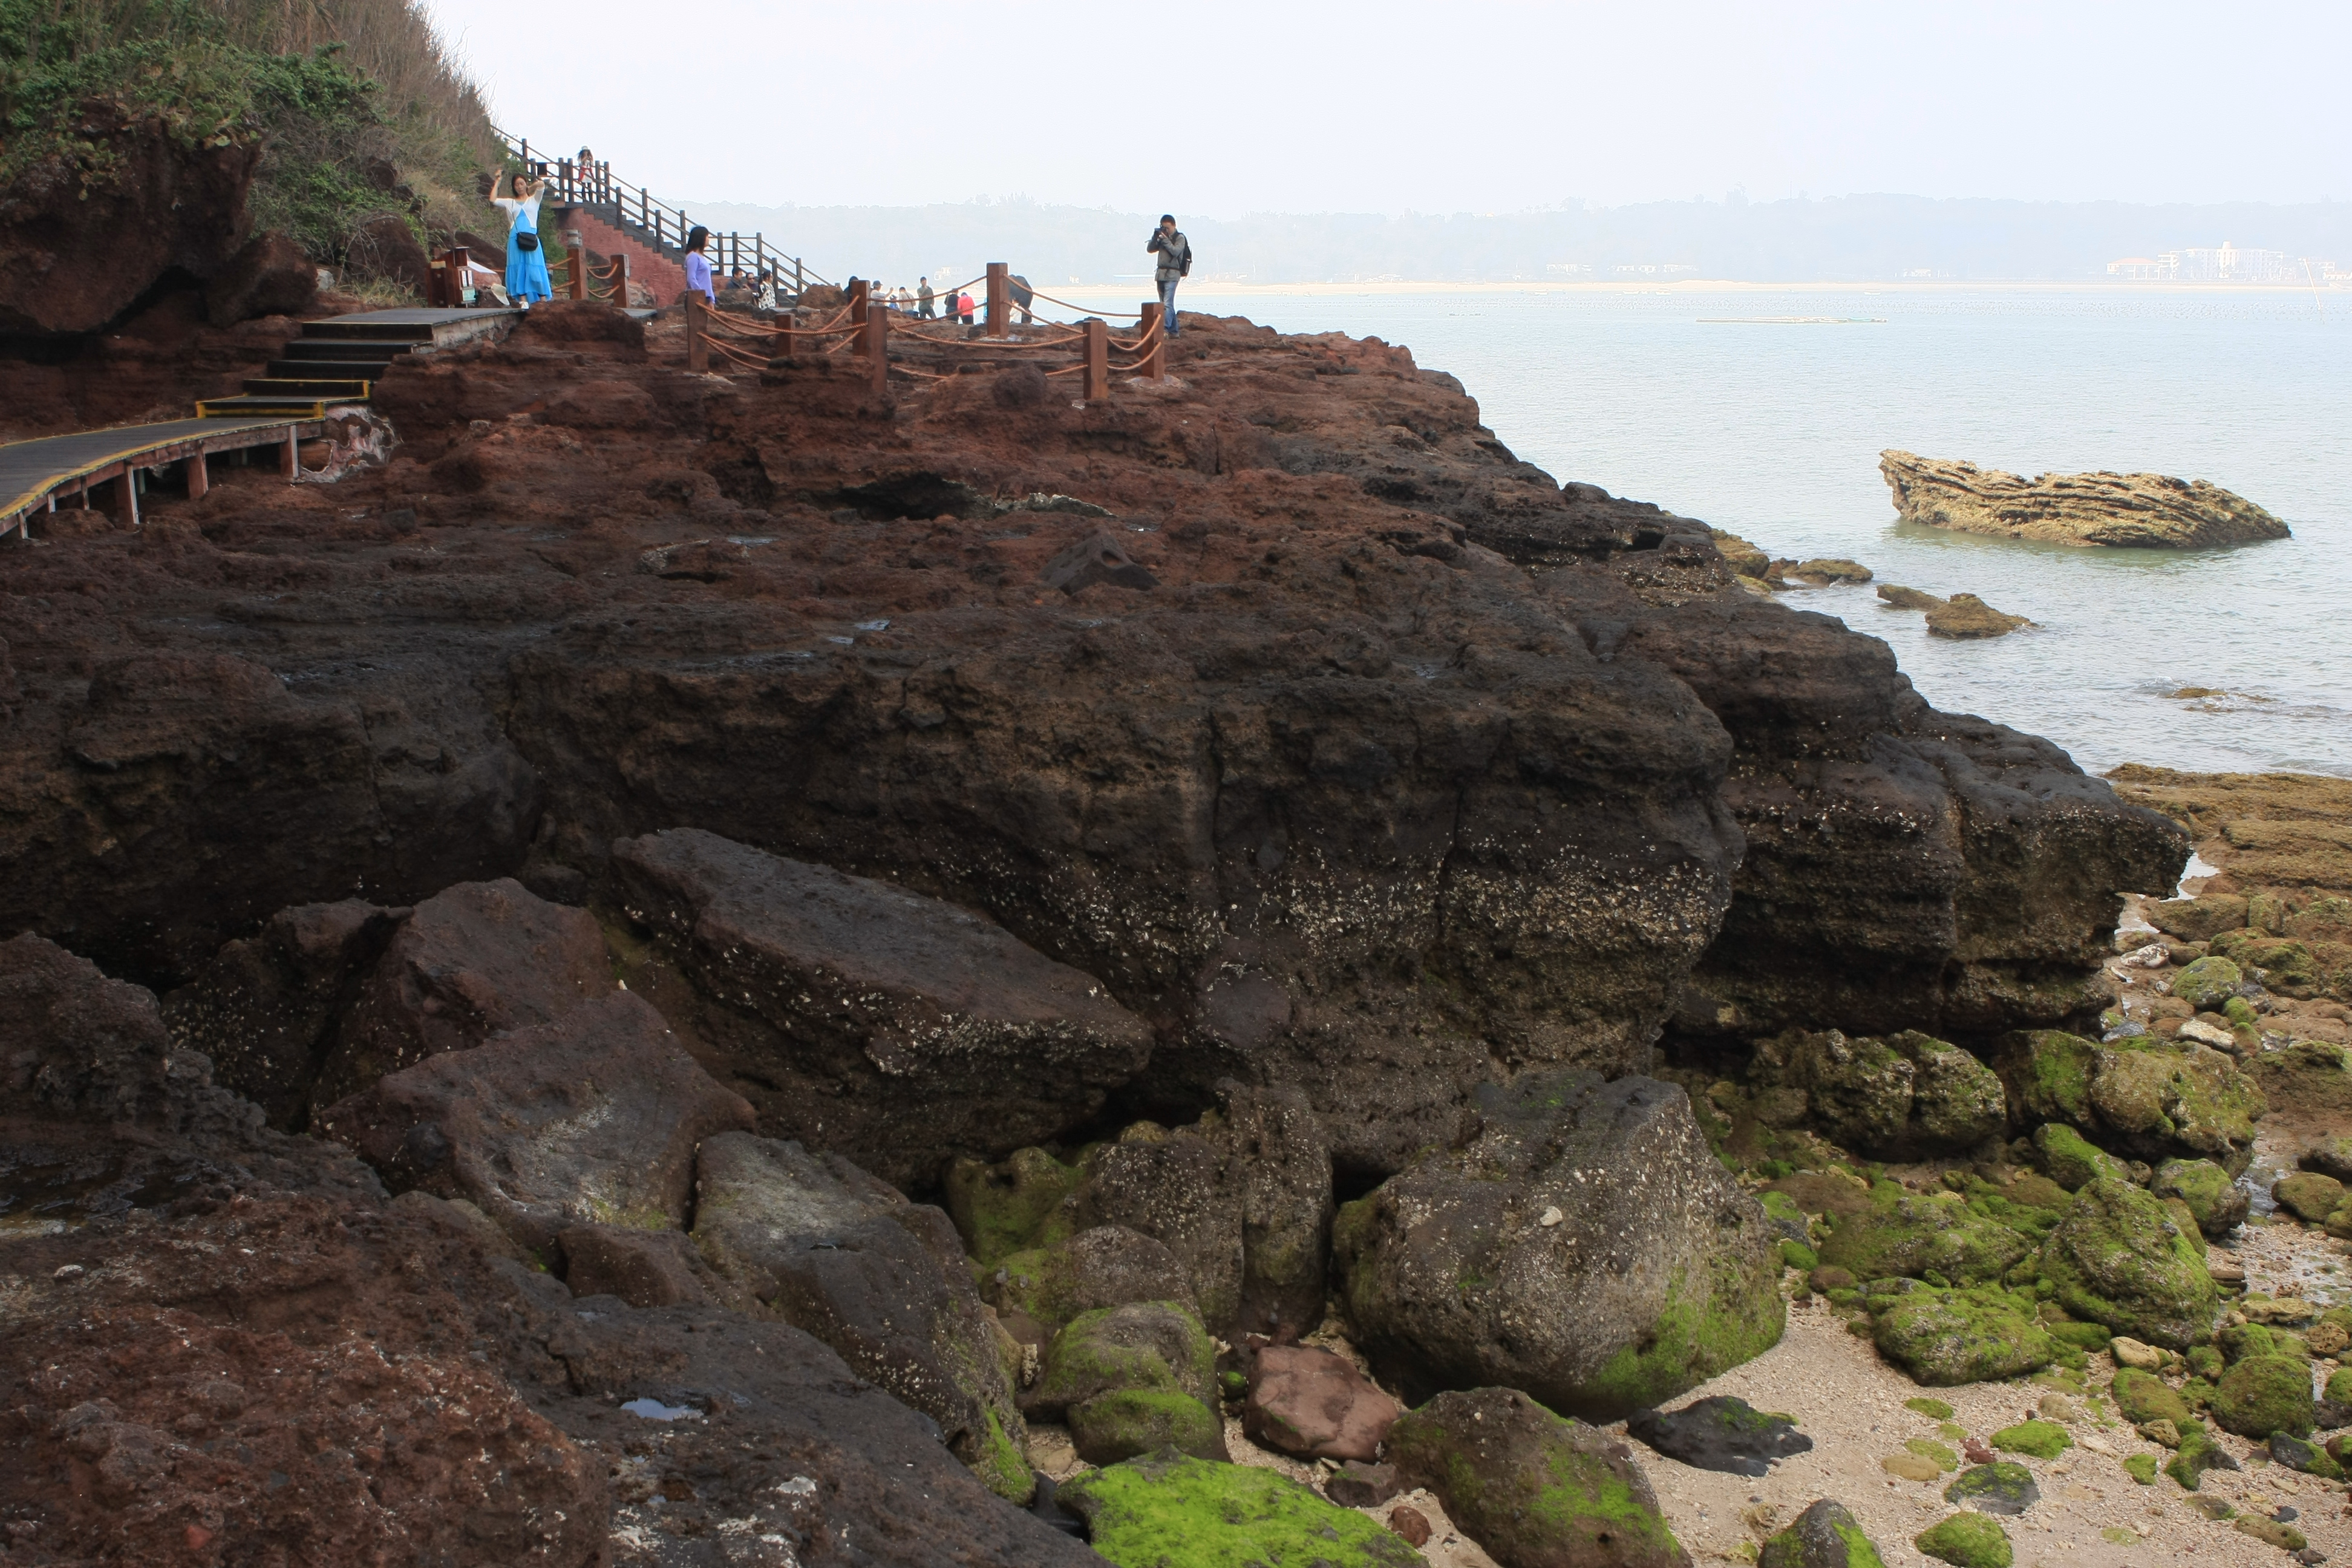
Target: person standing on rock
[
  {"x": 963, "y": 308},
  {"x": 1175, "y": 253},
  {"x": 698, "y": 265},
  {"x": 526, "y": 262},
  {"x": 923, "y": 298}
]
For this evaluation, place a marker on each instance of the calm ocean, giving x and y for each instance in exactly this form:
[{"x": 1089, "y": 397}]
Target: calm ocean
[{"x": 1773, "y": 432}]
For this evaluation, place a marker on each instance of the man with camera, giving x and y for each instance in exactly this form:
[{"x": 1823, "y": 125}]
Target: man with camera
[{"x": 1175, "y": 253}]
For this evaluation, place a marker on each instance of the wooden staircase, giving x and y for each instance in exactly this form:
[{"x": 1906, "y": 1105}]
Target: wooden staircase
[{"x": 334, "y": 360}]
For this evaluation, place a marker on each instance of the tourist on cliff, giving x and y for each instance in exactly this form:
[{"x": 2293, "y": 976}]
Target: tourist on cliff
[
  {"x": 526, "y": 262},
  {"x": 1175, "y": 253},
  {"x": 698, "y": 265},
  {"x": 963, "y": 307},
  {"x": 923, "y": 298},
  {"x": 1023, "y": 296}
]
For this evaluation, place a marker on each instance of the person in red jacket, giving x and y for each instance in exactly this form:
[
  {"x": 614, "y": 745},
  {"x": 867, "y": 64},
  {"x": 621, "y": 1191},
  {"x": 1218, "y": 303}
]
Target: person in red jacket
[{"x": 963, "y": 307}]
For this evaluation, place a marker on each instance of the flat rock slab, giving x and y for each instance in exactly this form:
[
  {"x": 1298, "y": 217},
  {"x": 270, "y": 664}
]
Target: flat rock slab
[
  {"x": 900, "y": 1029},
  {"x": 2132, "y": 511},
  {"x": 1316, "y": 1404},
  {"x": 1723, "y": 1432},
  {"x": 591, "y": 1119}
]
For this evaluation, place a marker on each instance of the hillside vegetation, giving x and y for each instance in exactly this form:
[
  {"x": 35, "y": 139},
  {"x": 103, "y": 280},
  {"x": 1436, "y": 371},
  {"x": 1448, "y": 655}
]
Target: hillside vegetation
[{"x": 350, "y": 101}]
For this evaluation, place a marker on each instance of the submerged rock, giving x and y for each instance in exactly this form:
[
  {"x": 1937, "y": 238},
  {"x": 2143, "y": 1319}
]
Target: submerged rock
[
  {"x": 1964, "y": 616},
  {"x": 1585, "y": 1246},
  {"x": 1172, "y": 1508},
  {"x": 1826, "y": 1535},
  {"x": 1533, "y": 1490},
  {"x": 1904, "y": 598},
  {"x": 2124, "y": 510},
  {"x": 1722, "y": 1432}
]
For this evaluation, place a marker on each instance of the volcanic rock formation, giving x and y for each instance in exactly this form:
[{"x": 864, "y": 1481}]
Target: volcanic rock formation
[{"x": 2143, "y": 511}]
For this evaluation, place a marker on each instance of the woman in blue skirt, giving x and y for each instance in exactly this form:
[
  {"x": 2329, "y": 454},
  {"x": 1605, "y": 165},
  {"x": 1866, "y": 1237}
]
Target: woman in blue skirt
[{"x": 526, "y": 261}]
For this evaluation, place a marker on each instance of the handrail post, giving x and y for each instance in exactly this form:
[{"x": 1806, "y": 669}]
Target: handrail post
[
  {"x": 857, "y": 312},
  {"x": 621, "y": 279},
  {"x": 877, "y": 349},
  {"x": 578, "y": 262},
  {"x": 999, "y": 318},
  {"x": 1155, "y": 359},
  {"x": 698, "y": 346},
  {"x": 1097, "y": 370}
]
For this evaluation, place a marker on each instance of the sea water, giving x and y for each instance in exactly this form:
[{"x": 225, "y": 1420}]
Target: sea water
[{"x": 1700, "y": 402}]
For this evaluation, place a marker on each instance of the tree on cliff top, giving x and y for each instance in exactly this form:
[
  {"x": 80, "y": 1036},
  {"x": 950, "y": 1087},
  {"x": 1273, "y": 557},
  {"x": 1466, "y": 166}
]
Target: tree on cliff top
[{"x": 338, "y": 94}]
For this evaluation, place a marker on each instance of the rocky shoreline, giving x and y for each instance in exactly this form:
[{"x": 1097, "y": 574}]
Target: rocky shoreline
[{"x": 729, "y": 971}]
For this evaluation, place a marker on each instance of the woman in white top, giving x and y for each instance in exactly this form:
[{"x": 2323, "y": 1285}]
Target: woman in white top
[{"x": 526, "y": 261}]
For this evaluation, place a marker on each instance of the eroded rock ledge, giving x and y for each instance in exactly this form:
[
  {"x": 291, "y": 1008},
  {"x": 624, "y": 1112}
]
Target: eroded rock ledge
[{"x": 2140, "y": 512}]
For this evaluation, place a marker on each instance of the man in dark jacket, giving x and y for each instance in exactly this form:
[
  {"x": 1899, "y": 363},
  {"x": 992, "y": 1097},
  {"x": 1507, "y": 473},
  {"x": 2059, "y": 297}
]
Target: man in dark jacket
[{"x": 1175, "y": 253}]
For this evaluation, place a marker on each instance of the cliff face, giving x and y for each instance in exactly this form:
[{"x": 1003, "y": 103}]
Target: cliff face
[
  {"x": 2146, "y": 512},
  {"x": 1358, "y": 756}
]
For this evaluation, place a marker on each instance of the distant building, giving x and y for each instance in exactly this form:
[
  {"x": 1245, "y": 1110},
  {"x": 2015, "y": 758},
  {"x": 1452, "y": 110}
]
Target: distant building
[
  {"x": 1568, "y": 268},
  {"x": 2224, "y": 263},
  {"x": 2138, "y": 268},
  {"x": 1654, "y": 269}
]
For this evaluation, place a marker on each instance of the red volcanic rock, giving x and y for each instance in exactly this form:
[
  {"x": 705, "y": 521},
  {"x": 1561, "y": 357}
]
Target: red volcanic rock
[
  {"x": 479, "y": 960},
  {"x": 949, "y": 1032},
  {"x": 1410, "y": 1523},
  {"x": 643, "y": 1267},
  {"x": 595, "y": 1117},
  {"x": 270, "y": 277},
  {"x": 1308, "y": 1402}
]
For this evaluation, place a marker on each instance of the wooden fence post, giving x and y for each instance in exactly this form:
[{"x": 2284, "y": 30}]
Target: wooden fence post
[
  {"x": 999, "y": 316},
  {"x": 1097, "y": 372},
  {"x": 192, "y": 468},
  {"x": 579, "y": 263},
  {"x": 620, "y": 280},
  {"x": 1155, "y": 359},
  {"x": 877, "y": 349},
  {"x": 858, "y": 288},
  {"x": 698, "y": 347}
]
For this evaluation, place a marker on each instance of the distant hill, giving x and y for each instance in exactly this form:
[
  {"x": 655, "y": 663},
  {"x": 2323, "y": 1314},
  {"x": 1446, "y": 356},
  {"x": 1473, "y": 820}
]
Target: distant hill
[{"x": 1843, "y": 238}]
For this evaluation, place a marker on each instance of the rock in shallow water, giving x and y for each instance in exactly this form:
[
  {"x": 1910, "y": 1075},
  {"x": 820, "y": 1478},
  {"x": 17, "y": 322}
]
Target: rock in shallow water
[
  {"x": 1965, "y": 617},
  {"x": 2126, "y": 511},
  {"x": 1659, "y": 1274}
]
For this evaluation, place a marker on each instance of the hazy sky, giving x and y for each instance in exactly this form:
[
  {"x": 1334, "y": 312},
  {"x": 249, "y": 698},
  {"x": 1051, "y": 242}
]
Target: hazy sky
[{"x": 1222, "y": 108}]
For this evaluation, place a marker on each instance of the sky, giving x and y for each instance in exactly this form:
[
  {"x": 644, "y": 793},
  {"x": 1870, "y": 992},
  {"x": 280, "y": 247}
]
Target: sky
[{"x": 1222, "y": 109}]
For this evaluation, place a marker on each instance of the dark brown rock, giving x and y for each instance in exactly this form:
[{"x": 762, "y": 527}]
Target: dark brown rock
[
  {"x": 594, "y": 1118},
  {"x": 1102, "y": 559},
  {"x": 1103, "y": 1265},
  {"x": 1535, "y": 1491},
  {"x": 270, "y": 277},
  {"x": 386, "y": 247},
  {"x": 1410, "y": 1523},
  {"x": 643, "y": 1267},
  {"x": 1356, "y": 1484},
  {"x": 955, "y": 1034},
  {"x": 478, "y": 960},
  {"x": 1307, "y": 1401}
]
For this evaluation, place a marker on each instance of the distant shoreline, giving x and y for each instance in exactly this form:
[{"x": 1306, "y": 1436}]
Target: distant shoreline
[{"x": 1696, "y": 286}]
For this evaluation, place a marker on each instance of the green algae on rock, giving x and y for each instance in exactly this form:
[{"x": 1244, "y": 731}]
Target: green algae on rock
[
  {"x": 2265, "y": 1394},
  {"x": 1933, "y": 1409},
  {"x": 1126, "y": 1422},
  {"x": 1011, "y": 1206},
  {"x": 2141, "y": 1467},
  {"x": 1174, "y": 1510},
  {"x": 2147, "y": 1097},
  {"x": 1102, "y": 1265},
  {"x": 2308, "y": 1195},
  {"x": 2142, "y": 1396},
  {"x": 2118, "y": 1258},
  {"x": 1967, "y": 1541},
  {"x": 1914, "y": 1234},
  {"x": 1122, "y": 1375},
  {"x": 2207, "y": 983},
  {"x": 2198, "y": 1453},
  {"x": 1945, "y": 1338},
  {"x": 1824, "y": 1536},
  {"x": 2070, "y": 1160},
  {"x": 1530, "y": 1487},
  {"x": 2037, "y": 1439},
  {"x": 2001, "y": 1486},
  {"x": 2213, "y": 1198},
  {"x": 1909, "y": 1094}
]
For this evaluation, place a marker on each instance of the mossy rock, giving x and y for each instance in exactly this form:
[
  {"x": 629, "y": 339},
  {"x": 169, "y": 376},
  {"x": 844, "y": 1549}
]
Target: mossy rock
[
  {"x": 1172, "y": 1511},
  {"x": 2292, "y": 1451},
  {"x": 1941, "y": 1455},
  {"x": 1143, "y": 1345},
  {"x": 2082, "y": 1336},
  {"x": 1000, "y": 1466},
  {"x": 2240, "y": 1341},
  {"x": 2308, "y": 1195},
  {"x": 2073, "y": 1160},
  {"x": 1933, "y": 1409},
  {"x": 1787, "y": 1216},
  {"x": 1796, "y": 1254},
  {"x": 1824, "y": 1536},
  {"x": 1967, "y": 1541},
  {"x": 2209, "y": 982},
  {"x": 2339, "y": 1386},
  {"x": 2287, "y": 966},
  {"x": 2142, "y": 1396},
  {"x": 2205, "y": 1362},
  {"x": 2037, "y": 1439},
  {"x": 1945, "y": 1338},
  {"x": 2119, "y": 1259},
  {"x": 2265, "y": 1394},
  {"x": 2141, "y": 1467},
  {"x": 1128, "y": 1422},
  {"x": 2198, "y": 1453},
  {"x": 2276, "y": 1532},
  {"x": 2001, "y": 1486},
  {"x": 1903, "y": 1233},
  {"x": 2214, "y": 1199},
  {"x": 2047, "y": 1073},
  {"x": 1013, "y": 1205}
]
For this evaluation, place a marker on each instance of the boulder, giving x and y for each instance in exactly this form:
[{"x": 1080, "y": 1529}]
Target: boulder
[
  {"x": 1912, "y": 1235},
  {"x": 2000, "y": 1487},
  {"x": 266, "y": 1008},
  {"x": 2292, "y": 1451},
  {"x": 1535, "y": 1491},
  {"x": 2329, "y": 1157},
  {"x": 2138, "y": 1096},
  {"x": 1123, "y": 1376},
  {"x": 2070, "y": 1160},
  {"x": 1615, "y": 1263},
  {"x": 593, "y": 1119},
  {"x": 2308, "y": 1195},
  {"x": 834, "y": 1252},
  {"x": 1014, "y": 1205},
  {"x": 2200, "y": 919},
  {"x": 384, "y": 247},
  {"x": 2262, "y": 1394},
  {"x": 1945, "y": 1338},
  {"x": 1904, "y": 598},
  {"x": 2140, "y": 512},
  {"x": 895, "y": 1028},
  {"x": 2142, "y": 1397},
  {"x": 1907, "y": 1095},
  {"x": 1356, "y": 1484},
  {"x": 473, "y": 961},
  {"x": 1966, "y": 618},
  {"x": 643, "y": 1267},
  {"x": 1104, "y": 1266},
  {"x": 2214, "y": 1201},
  {"x": 271, "y": 276},
  {"x": 1824, "y": 1536},
  {"x": 2208, "y": 982},
  {"x": 1168, "y": 1507},
  {"x": 1721, "y": 1432},
  {"x": 2118, "y": 1258},
  {"x": 1967, "y": 1541},
  {"x": 1307, "y": 1401}
]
